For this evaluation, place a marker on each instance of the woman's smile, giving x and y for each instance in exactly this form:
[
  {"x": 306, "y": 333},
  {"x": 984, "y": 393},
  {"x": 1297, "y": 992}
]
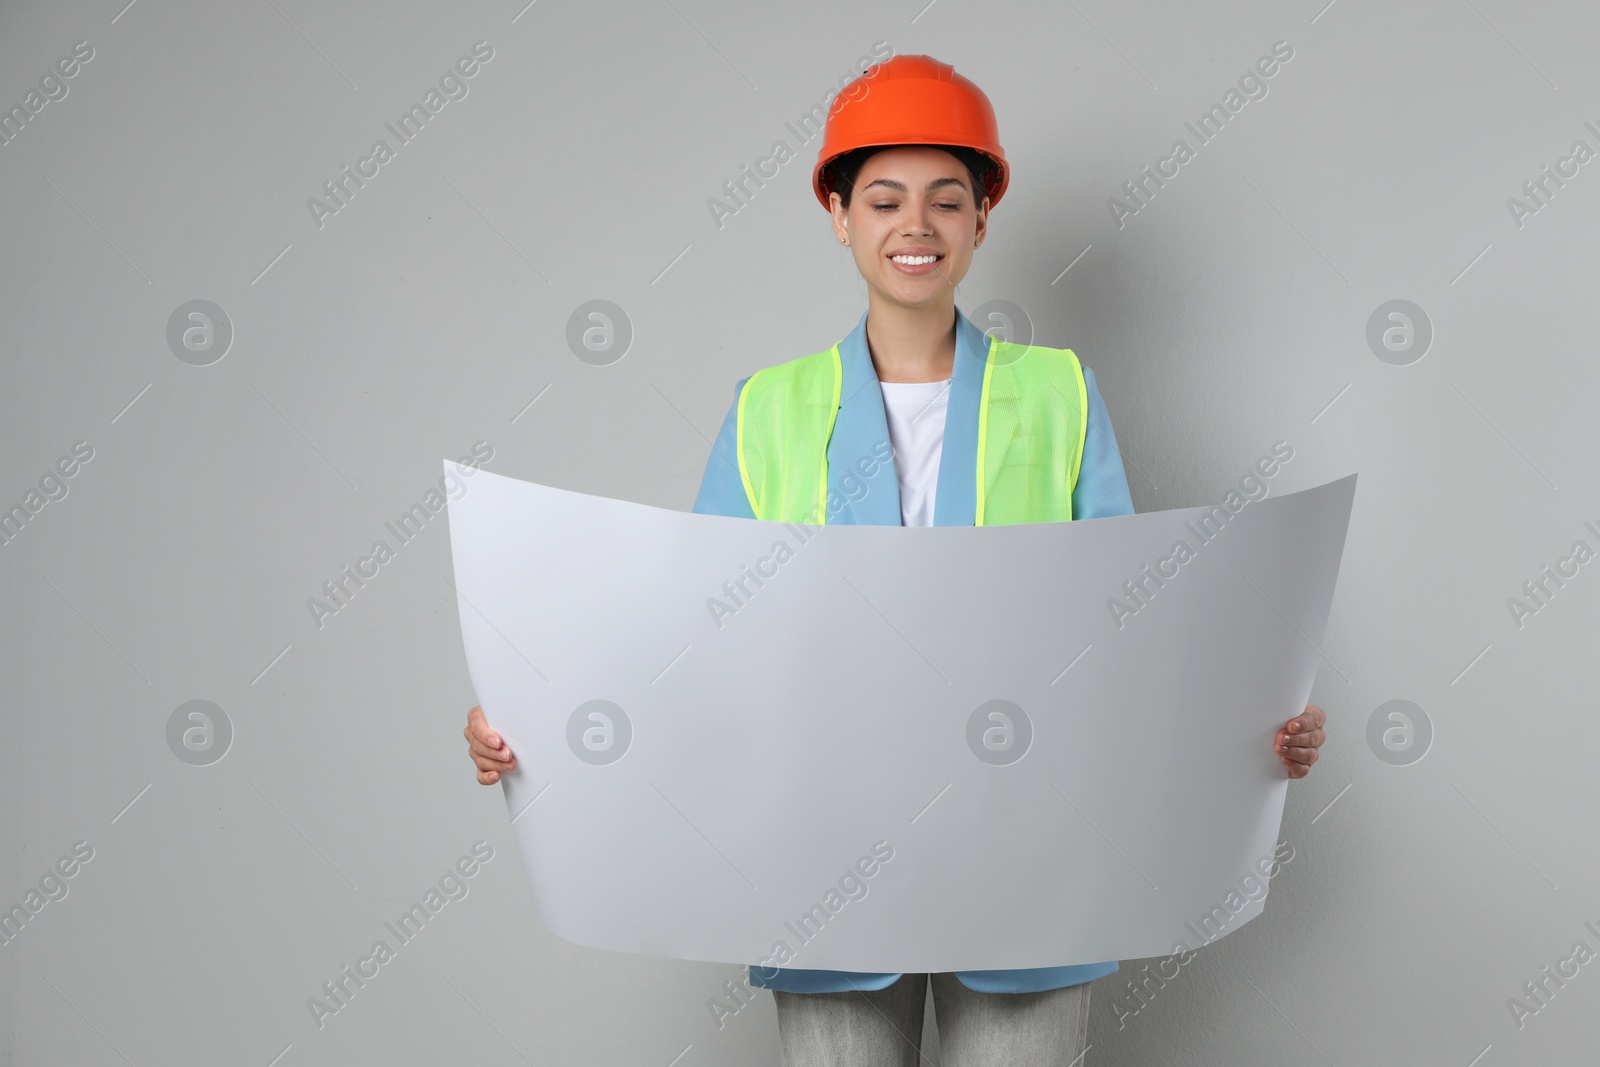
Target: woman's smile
[{"x": 915, "y": 260}]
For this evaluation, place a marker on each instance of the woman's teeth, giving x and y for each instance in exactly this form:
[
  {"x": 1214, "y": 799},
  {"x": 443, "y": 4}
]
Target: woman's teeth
[{"x": 914, "y": 261}]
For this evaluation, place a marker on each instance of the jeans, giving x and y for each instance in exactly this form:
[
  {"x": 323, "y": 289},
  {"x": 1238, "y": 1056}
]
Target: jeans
[{"x": 883, "y": 1028}]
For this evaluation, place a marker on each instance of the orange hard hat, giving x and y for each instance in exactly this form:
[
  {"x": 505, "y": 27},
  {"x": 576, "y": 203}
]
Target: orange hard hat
[{"x": 912, "y": 100}]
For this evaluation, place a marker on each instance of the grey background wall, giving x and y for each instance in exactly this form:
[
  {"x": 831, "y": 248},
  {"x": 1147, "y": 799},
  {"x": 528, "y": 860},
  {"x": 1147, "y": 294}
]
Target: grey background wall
[{"x": 1229, "y": 310}]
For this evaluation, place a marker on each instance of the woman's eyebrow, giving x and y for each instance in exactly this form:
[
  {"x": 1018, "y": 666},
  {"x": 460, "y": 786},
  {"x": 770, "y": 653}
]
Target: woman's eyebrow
[{"x": 937, "y": 183}]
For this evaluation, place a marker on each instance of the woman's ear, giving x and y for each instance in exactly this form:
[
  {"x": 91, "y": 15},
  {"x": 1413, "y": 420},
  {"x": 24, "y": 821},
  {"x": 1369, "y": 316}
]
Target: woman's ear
[{"x": 841, "y": 224}]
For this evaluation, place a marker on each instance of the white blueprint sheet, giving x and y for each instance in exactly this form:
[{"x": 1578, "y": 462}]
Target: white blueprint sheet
[{"x": 811, "y": 776}]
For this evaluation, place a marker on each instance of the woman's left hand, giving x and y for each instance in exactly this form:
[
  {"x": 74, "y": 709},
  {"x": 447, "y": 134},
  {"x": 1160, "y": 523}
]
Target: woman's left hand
[{"x": 1297, "y": 743}]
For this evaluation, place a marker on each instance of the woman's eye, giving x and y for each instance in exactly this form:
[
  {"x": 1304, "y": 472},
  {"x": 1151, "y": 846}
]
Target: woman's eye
[{"x": 883, "y": 207}]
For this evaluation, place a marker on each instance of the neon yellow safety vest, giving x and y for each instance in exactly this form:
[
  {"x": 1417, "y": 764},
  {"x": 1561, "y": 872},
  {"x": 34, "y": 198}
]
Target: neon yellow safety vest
[{"x": 1031, "y": 426}]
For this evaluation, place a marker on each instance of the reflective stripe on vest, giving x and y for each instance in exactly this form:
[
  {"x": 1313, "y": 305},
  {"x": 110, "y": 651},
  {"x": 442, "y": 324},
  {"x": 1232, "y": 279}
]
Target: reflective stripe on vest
[{"x": 1031, "y": 426}]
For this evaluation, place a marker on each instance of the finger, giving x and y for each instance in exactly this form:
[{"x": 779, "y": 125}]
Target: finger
[
  {"x": 492, "y": 761},
  {"x": 478, "y": 725},
  {"x": 481, "y": 733},
  {"x": 1307, "y": 756},
  {"x": 478, "y": 744},
  {"x": 1314, "y": 739},
  {"x": 488, "y": 777},
  {"x": 504, "y": 754},
  {"x": 496, "y": 769},
  {"x": 1310, "y": 719},
  {"x": 1297, "y": 770},
  {"x": 499, "y": 755}
]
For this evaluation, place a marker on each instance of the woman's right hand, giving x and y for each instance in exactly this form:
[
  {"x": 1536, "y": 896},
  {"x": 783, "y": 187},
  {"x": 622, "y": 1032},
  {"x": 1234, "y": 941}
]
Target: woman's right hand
[{"x": 487, "y": 748}]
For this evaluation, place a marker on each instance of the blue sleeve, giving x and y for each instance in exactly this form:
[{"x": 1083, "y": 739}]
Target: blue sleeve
[
  {"x": 1102, "y": 488},
  {"x": 721, "y": 488}
]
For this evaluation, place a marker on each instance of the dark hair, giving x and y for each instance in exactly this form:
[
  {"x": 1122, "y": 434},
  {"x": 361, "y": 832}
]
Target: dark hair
[{"x": 840, "y": 174}]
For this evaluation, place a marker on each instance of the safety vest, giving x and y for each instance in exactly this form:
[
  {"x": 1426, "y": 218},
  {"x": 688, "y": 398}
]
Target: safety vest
[{"x": 1031, "y": 426}]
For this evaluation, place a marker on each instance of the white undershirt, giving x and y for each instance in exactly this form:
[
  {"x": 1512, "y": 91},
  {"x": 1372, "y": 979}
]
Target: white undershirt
[{"x": 916, "y": 414}]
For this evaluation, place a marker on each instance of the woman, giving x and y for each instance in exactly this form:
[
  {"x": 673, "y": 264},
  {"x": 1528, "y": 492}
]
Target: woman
[{"x": 909, "y": 169}]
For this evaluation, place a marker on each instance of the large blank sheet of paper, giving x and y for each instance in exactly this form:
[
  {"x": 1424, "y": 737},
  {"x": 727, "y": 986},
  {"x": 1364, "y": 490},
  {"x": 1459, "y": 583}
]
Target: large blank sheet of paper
[{"x": 875, "y": 748}]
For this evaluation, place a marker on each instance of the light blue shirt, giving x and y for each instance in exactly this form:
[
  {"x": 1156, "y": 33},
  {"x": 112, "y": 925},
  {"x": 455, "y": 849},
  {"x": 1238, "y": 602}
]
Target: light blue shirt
[{"x": 874, "y": 500}]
